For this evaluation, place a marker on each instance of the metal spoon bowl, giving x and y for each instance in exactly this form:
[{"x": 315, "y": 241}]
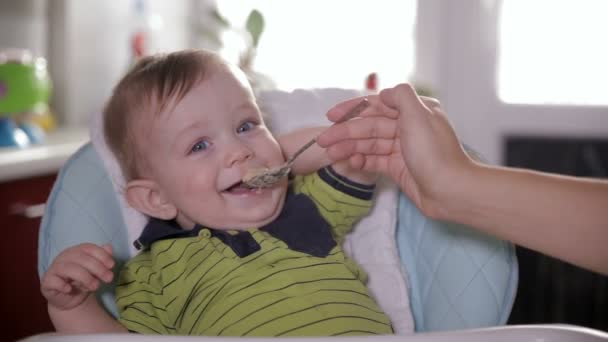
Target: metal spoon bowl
[{"x": 268, "y": 177}]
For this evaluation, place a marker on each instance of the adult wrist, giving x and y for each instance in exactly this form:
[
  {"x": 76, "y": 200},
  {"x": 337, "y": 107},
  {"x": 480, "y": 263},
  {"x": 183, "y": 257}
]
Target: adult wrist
[{"x": 455, "y": 198}]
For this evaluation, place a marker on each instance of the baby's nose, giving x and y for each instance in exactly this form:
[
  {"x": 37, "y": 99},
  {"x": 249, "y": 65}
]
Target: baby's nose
[{"x": 239, "y": 153}]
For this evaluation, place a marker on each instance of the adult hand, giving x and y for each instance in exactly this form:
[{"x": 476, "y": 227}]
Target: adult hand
[{"x": 405, "y": 137}]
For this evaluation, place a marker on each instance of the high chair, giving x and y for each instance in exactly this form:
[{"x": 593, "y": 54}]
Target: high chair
[{"x": 427, "y": 275}]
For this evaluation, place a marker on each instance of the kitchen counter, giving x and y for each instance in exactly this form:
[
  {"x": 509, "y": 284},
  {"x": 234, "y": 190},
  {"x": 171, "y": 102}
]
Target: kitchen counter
[{"x": 17, "y": 163}]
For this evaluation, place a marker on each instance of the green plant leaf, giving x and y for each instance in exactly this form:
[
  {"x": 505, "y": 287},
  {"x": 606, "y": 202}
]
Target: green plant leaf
[{"x": 255, "y": 25}]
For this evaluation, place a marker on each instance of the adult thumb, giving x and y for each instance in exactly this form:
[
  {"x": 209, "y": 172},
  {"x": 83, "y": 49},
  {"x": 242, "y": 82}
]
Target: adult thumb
[{"x": 404, "y": 99}]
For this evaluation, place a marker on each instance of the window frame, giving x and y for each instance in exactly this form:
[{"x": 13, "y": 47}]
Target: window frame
[{"x": 457, "y": 56}]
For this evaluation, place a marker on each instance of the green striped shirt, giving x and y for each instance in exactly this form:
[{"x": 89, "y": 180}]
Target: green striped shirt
[{"x": 199, "y": 286}]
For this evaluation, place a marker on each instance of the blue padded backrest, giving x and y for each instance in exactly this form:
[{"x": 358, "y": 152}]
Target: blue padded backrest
[
  {"x": 83, "y": 208},
  {"x": 458, "y": 278}
]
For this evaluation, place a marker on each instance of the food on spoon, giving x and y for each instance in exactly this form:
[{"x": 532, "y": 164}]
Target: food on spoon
[{"x": 262, "y": 177}]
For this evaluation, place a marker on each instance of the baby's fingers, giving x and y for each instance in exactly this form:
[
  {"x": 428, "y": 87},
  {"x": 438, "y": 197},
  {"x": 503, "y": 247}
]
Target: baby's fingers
[
  {"x": 52, "y": 282},
  {"x": 77, "y": 274},
  {"x": 103, "y": 254},
  {"x": 108, "y": 249},
  {"x": 96, "y": 267}
]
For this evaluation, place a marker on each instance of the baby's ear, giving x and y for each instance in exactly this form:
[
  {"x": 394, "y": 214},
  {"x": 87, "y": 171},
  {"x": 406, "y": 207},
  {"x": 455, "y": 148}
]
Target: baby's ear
[{"x": 145, "y": 196}]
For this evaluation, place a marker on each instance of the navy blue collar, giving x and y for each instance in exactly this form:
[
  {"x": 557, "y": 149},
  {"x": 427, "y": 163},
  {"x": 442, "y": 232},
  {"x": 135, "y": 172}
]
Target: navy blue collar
[{"x": 299, "y": 225}]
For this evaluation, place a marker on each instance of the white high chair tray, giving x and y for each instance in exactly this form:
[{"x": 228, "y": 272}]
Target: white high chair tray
[{"x": 520, "y": 333}]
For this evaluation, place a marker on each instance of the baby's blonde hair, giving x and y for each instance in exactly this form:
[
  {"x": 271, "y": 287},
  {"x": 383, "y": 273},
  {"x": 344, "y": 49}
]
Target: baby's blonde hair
[{"x": 152, "y": 84}]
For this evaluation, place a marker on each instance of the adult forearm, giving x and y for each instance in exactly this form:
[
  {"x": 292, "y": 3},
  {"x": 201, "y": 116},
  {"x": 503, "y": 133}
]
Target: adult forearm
[
  {"x": 565, "y": 217},
  {"x": 89, "y": 317}
]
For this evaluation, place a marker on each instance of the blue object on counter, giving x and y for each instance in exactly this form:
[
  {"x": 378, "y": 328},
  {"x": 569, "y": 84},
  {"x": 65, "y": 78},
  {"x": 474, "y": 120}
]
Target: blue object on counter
[
  {"x": 11, "y": 135},
  {"x": 33, "y": 132}
]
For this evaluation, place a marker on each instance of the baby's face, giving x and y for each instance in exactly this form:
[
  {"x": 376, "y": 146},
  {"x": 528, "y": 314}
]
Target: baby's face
[{"x": 199, "y": 152}]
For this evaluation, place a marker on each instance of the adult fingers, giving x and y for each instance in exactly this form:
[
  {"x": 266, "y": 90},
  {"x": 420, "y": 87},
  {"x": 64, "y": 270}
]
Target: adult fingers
[
  {"x": 359, "y": 128},
  {"x": 339, "y": 110},
  {"x": 347, "y": 148},
  {"x": 430, "y": 102},
  {"x": 370, "y": 163},
  {"x": 404, "y": 98},
  {"x": 376, "y": 108}
]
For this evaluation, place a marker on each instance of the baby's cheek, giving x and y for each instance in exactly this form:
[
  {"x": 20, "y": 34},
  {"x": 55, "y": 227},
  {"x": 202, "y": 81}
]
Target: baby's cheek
[
  {"x": 278, "y": 153},
  {"x": 268, "y": 148}
]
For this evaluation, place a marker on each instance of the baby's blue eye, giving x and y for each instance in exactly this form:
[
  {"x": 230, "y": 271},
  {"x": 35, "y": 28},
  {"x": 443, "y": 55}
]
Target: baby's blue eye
[
  {"x": 246, "y": 126},
  {"x": 200, "y": 146}
]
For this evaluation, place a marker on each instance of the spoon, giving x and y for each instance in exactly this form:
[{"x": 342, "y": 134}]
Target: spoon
[{"x": 265, "y": 177}]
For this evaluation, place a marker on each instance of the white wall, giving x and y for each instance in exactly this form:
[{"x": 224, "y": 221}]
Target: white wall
[
  {"x": 89, "y": 49},
  {"x": 23, "y": 25}
]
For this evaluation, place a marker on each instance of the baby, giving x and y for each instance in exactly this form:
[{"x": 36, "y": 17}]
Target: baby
[{"x": 216, "y": 257}]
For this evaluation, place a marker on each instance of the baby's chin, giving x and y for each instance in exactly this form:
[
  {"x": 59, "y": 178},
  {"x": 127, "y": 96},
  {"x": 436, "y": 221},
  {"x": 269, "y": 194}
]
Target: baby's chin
[
  {"x": 255, "y": 223},
  {"x": 257, "y": 220},
  {"x": 255, "y": 217},
  {"x": 249, "y": 223}
]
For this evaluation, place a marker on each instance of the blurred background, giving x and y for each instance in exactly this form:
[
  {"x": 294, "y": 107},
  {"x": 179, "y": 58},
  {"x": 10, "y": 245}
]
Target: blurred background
[
  {"x": 524, "y": 83},
  {"x": 500, "y": 68}
]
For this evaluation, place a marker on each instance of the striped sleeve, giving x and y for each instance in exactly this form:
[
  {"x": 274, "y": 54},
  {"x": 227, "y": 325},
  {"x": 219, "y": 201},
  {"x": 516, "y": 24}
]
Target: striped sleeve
[{"x": 340, "y": 201}]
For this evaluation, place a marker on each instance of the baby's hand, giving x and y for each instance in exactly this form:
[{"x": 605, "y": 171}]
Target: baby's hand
[{"x": 76, "y": 273}]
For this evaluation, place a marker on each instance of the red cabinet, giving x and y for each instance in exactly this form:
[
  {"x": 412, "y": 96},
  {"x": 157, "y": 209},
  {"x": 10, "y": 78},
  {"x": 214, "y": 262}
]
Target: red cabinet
[{"x": 22, "y": 307}]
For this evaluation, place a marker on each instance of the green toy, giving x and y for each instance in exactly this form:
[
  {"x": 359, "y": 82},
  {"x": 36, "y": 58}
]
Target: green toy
[{"x": 25, "y": 89}]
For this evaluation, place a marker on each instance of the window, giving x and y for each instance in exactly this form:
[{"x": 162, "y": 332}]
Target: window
[
  {"x": 553, "y": 52},
  {"x": 316, "y": 43}
]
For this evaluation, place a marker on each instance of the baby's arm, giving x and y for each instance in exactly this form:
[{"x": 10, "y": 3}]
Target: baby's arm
[
  {"x": 310, "y": 160},
  {"x": 89, "y": 317},
  {"x": 315, "y": 157},
  {"x": 69, "y": 287}
]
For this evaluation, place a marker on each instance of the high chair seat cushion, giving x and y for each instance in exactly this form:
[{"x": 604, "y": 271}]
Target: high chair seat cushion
[
  {"x": 459, "y": 278},
  {"x": 450, "y": 276}
]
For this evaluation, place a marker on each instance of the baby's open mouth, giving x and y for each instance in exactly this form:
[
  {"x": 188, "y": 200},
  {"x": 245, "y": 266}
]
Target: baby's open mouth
[{"x": 238, "y": 187}]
